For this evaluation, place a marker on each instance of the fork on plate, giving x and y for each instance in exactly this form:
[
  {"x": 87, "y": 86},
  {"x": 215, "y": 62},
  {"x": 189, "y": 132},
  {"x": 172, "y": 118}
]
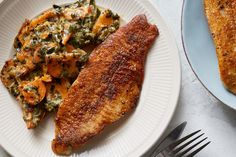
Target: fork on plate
[{"x": 177, "y": 149}]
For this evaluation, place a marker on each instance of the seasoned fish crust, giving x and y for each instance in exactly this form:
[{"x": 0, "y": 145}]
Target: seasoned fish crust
[
  {"x": 107, "y": 88},
  {"x": 221, "y": 15}
]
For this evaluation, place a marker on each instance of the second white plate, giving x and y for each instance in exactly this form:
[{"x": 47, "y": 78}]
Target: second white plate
[{"x": 200, "y": 50}]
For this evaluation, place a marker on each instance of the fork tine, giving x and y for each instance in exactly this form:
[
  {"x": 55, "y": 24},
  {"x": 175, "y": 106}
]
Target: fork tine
[
  {"x": 186, "y": 144},
  {"x": 176, "y": 143},
  {"x": 190, "y": 148},
  {"x": 198, "y": 150}
]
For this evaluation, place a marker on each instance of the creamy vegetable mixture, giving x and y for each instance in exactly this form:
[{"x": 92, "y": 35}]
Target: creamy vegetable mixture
[{"x": 50, "y": 51}]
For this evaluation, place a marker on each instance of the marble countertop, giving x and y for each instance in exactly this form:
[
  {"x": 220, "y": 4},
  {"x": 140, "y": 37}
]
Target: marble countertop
[{"x": 196, "y": 105}]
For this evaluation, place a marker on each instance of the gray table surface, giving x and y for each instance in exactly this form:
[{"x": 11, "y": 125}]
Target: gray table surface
[{"x": 196, "y": 105}]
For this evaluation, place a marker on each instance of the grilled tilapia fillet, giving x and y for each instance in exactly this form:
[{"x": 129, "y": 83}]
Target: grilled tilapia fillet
[
  {"x": 221, "y": 15},
  {"x": 107, "y": 88}
]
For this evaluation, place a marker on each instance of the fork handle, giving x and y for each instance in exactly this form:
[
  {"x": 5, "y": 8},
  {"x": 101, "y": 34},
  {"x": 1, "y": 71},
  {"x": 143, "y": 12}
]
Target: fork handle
[
  {"x": 164, "y": 153},
  {"x": 159, "y": 155}
]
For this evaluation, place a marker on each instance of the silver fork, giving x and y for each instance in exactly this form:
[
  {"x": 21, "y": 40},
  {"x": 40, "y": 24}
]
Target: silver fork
[{"x": 177, "y": 150}]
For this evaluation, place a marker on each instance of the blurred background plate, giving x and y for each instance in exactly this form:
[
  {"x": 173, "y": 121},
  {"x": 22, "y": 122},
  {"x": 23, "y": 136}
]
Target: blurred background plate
[
  {"x": 200, "y": 50},
  {"x": 134, "y": 134}
]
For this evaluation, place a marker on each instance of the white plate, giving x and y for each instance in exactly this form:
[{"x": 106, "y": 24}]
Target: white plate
[{"x": 133, "y": 135}]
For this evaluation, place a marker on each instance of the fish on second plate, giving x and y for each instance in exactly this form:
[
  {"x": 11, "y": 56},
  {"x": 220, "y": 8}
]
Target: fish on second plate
[
  {"x": 222, "y": 22},
  {"x": 107, "y": 88}
]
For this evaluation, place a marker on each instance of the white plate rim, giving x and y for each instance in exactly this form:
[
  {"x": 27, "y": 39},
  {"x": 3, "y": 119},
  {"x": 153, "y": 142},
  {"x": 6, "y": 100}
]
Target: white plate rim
[{"x": 174, "y": 97}]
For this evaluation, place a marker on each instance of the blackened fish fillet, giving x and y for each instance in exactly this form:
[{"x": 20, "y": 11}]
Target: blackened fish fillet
[
  {"x": 107, "y": 88},
  {"x": 221, "y": 16}
]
